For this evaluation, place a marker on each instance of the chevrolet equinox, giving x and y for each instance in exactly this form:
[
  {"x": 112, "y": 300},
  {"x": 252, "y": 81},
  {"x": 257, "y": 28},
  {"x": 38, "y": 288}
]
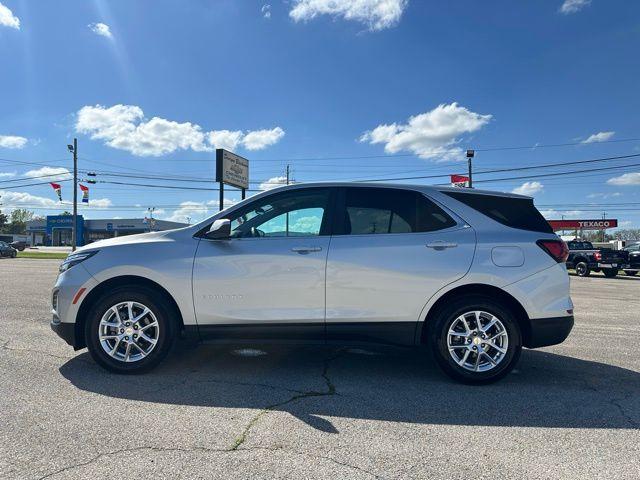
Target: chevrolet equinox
[{"x": 472, "y": 275}]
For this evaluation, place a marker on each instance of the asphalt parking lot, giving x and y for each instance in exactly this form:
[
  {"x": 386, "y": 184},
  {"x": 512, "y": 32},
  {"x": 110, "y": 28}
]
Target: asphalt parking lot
[{"x": 569, "y": 411}]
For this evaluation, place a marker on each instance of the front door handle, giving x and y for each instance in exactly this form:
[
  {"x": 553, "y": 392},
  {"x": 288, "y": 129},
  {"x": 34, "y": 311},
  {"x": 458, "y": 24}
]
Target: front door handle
[
  {"x": 441, "y": 245},
  {"x": 305, "y": 250}
]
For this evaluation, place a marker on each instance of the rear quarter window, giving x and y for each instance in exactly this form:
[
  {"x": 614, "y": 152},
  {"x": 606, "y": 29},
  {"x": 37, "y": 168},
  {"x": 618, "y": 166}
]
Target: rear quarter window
[{"x": 510, "y": 211}]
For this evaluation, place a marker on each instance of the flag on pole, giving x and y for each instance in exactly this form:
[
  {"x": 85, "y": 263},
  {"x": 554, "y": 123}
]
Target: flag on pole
[
  {"x": 85, "y": 193},
  {"x": 58, "y": 189},
  {"x": 459, "y": 181}
]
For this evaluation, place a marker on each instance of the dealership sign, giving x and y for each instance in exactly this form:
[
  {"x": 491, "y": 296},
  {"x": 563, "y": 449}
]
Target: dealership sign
[
  {"x": 600, "y": 224},
  {"x": 232, "y": 169},
  {"x": 459, "y": 181}
]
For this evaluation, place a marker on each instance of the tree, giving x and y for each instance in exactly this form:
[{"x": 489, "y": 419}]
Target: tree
[
  {"x": 629, "y": 234},
  {"x": 19, "y": 219},
  {"x": 3, "y": 221}
]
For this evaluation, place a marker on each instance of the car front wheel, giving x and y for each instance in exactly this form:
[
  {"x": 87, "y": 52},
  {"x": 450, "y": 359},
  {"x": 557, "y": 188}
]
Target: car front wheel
[
  {"x": 476, "y": 340},
  {"x": 130, "y": 330}
]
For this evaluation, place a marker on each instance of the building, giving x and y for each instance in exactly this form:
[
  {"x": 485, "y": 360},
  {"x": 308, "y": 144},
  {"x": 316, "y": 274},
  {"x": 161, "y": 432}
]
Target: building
[{"x": 55, "y": 230}]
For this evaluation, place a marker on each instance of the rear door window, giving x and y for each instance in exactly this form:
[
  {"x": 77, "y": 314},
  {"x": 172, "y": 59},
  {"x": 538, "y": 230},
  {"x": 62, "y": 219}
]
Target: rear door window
[
  {"x": 386, "y": 210},
  {"x": 510, "y": 211}
]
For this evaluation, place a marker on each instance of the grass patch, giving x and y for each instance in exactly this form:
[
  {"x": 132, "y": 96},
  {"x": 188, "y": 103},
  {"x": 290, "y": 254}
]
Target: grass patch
[{"x": 43, "y": 255}]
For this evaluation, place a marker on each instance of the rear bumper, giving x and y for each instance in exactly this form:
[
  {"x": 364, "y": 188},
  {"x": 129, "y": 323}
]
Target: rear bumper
[
  {"x": 548, "y": 331},
  {"x": 66, "y": 331}
]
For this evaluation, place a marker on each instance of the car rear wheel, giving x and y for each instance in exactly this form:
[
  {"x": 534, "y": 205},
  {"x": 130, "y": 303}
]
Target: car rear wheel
[
  {"x": 582, "y": 269},
  {"x": 476, "y": 340},
  {"x": 130, "y": 330},
  {"x": 631, "y": 273},
  {"x": 610, "y": 272}
]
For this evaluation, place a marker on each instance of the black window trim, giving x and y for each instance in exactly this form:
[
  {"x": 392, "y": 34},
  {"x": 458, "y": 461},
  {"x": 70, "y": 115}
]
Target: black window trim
[{"x": 340, "y": 211}]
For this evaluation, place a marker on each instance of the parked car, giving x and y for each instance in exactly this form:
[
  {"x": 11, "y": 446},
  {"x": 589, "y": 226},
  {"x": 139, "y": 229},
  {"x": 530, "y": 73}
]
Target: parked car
[
  {"x": 7, "y": 250},
  {"x": 633, "y": 266},
  {"x": 19, "y": 245},
  {"x": 584, "y": 258},
  {"x": 472, "y": 275}
]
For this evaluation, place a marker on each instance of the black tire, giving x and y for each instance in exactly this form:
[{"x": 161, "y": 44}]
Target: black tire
[
  {"x": 582, "y": 269},
  {"x": 167, "y": 330},
  {"x": 445, "y": 317},
  {"x": 610, "y": 272},
  {"x": 631, "y": 273},
  {"x": 14, "y": 254}
]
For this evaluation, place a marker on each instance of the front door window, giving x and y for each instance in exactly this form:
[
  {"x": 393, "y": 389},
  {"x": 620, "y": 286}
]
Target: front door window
[{"x": 291, "y": 214}]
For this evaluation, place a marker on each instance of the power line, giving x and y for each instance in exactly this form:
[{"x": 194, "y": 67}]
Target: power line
[{"x": 37, "y": 183}]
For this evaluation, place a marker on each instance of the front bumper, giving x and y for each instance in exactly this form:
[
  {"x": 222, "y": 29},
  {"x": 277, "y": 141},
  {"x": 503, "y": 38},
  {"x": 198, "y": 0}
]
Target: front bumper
[
  {"x": 66, "y": 331},
  {"x": 548, "y": 331}
]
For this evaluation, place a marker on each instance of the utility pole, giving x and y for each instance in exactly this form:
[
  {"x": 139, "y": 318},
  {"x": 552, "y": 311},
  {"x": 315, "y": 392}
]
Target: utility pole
[
  {"x": 470, "y": 154},
  {"x": 287, "y": 174},
  {"x": 74, "y": 227}
]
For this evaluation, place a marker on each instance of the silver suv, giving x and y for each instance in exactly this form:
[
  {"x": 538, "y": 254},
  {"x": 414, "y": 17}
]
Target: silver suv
[{"x": 472, "y": 275}]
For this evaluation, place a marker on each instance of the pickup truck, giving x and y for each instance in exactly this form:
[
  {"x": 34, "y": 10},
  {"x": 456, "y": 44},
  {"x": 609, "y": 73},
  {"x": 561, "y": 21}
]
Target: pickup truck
[
  {"x": 585, "y": 259},
  {"x": 634, "y": 259}
]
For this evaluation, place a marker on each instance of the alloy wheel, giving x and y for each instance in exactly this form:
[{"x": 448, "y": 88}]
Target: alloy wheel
[
  {"x": 128, "y": 331},
  {"x": 477, "y": 341}
]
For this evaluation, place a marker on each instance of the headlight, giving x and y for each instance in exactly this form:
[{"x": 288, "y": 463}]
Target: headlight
[{"x": 76, "y": 258}]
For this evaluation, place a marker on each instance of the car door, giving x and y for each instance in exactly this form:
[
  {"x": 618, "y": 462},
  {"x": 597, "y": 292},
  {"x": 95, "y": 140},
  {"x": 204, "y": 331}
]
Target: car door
[
  {"x": 267, "y": 280},
  {"x": 391, "y": 251}
]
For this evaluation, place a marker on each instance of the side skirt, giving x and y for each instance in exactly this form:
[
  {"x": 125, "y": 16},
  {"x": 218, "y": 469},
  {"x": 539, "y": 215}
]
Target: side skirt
[{"x": 347, "y": 333}]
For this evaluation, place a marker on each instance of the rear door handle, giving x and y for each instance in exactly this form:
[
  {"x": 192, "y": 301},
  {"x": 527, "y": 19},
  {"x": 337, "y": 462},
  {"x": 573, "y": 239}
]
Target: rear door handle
[
  {"x": 441, "y": 245},
  {"x": 304, "y": 250}
]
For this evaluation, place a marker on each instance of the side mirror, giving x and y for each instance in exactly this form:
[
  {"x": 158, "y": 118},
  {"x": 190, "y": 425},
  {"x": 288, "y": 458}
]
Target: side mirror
[{"x": 220, "y": 229}]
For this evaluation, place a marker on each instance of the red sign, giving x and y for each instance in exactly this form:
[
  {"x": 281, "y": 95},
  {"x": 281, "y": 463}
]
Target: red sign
[
  {"x": 583, "y": 224},
  {"x": 459, "y": 181}
]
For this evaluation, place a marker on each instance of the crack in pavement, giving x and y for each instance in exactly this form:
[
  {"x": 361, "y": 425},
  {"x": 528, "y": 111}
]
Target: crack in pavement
[
  {"x": 199, "y": 449},
  {"x": 331, "y": 390},
  {"x": 310, "y": 455},
  {"x": 5, "y": 346},
  {"x": 616, "y": 402},
  {"x": 130, "y": 450}
]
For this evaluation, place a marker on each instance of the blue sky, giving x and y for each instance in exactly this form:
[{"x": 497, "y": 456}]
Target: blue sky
[{"x": 150, "y": 88}]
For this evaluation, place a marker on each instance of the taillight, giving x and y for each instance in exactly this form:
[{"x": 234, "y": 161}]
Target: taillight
[
  {"x": 557, "y": 249},
  {"x": 597, "y": 256}
]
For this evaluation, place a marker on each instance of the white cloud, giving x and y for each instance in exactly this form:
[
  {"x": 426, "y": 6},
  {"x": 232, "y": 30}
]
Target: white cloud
[
  {"x": 8, "y": 19},
  {"x": 599, "y": 137},
  {"x": 431, "y": 134},
  {"x": 193, "y": 212},
  {"x": 8, "y": 174},
  {"x": 604, "y": 195},
  {"x": 12, "y": 141},
  {"x": 529, "y": 188},
  {"x": 573, "y": 6},
  {"x": 625, "y": 179},
  {"x": 376, "y": 14},
  {"x": 101, "y": 29},
  {"x": 125, "y": 127},
  {"x": 266, "y": 11},
  {"x": 12, "y": 200},
  {"x": 53, "y": 173},
  {"x": 273, "y": 182},
  {"x": 558, "y": 214},
  {"x": 260, "y": 139},
  {"x": 227, "y": 139}
]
